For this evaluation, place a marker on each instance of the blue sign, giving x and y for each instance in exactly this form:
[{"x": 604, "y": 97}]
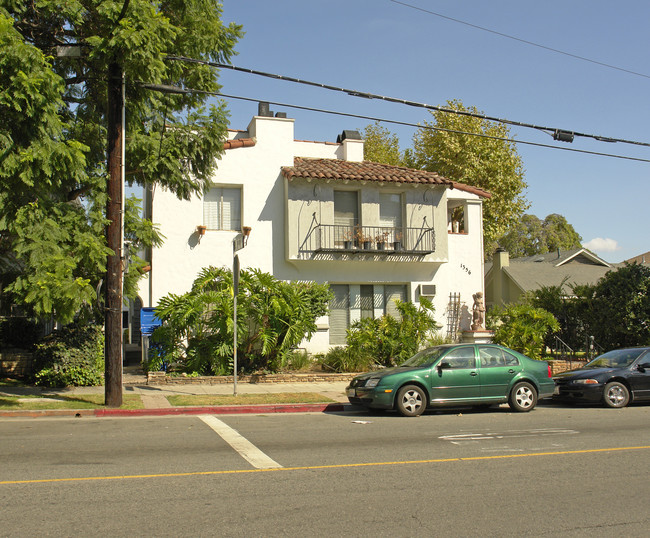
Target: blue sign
[{"x": 148, "y": 321}]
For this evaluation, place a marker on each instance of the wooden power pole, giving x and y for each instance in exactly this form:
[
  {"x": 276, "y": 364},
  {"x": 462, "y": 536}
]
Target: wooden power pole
[{"x": 113, "y": 314}]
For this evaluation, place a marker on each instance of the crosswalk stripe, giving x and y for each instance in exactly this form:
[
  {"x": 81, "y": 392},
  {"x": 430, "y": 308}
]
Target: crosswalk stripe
[{"x": 243, "y": 446}]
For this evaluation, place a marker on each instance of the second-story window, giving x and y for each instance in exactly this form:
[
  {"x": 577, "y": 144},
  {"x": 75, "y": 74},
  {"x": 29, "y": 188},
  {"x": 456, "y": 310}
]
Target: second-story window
[
  {"x": 222, "y": 208},
  {"x": 390, "y": 215},
  {"x": 346, "y": 216}
]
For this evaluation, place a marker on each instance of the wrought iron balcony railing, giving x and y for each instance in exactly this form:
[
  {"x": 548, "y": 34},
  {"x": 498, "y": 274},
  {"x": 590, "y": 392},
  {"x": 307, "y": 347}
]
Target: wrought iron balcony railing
[{"x": 375, "y": 239}]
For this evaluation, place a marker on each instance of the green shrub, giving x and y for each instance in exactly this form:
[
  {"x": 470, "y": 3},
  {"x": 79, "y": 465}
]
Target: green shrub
[
  {"x": 73, "y": 356},
  {"x": 345, "y": 359},
  {"x": 522, "y": 327},
  {"x": 389, "y": 340},
  {"x": 273, "y": 317},
  {"x": 297, "y": 360}
]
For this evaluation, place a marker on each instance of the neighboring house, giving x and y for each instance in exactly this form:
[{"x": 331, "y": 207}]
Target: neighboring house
[
  {"x": 317, "y": 212},
  {"x": 643, "y": 259},
  {"x": 507, "y": 280}
]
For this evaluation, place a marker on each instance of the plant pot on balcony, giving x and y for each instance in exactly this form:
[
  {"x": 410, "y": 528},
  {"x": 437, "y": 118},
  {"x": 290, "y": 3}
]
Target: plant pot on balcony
[
  {"x": 381, "y": 245},
  {"x": 366, "y": 245},
  {"x": 347, "y": 244},
  {"x": 397, "y": 245}
]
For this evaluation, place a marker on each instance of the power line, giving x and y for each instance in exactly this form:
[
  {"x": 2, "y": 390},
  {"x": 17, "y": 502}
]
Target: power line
[
  {"x": 173, "y": 89},
  {"x": 551, "y": 49},
  {"x": 366, "y": 95}
]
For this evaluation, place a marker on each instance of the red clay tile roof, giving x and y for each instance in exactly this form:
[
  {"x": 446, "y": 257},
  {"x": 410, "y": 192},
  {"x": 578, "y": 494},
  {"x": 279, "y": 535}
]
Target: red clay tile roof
[
  {"x": 238, "y": 143},
  {"x": 338, "y": 169}
]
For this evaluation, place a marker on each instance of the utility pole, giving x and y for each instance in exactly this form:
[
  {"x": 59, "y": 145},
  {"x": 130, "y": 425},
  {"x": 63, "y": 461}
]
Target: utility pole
[{"x": 114, "y": 208}]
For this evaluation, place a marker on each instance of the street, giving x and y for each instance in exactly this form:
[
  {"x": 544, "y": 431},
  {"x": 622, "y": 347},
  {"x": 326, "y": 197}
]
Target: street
[{"x": 556, "y": 471}]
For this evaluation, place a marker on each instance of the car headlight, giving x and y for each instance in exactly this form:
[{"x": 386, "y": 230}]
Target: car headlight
[
  {"x": 372, "y": 382},
  {"x": 586, "y": 381}
]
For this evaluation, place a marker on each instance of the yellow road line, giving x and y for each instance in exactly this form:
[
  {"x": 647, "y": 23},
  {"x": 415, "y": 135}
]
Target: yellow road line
[{"x": 316, "y": 467}]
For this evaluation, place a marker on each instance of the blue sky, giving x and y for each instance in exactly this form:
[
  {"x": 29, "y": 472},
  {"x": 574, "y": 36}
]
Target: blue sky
[{"x": 385, "y": 48}]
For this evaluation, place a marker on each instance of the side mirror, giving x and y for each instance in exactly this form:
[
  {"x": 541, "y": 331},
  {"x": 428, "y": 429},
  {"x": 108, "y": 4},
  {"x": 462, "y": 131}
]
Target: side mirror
[
  {"x": 444, "y": 365},
  {"x": 643, "y": 367}
]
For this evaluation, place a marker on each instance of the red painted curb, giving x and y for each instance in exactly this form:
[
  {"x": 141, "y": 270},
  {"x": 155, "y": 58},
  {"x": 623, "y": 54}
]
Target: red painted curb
[
  {"x": 221, "y": 410},
  {"x": 162, "y": 411}
]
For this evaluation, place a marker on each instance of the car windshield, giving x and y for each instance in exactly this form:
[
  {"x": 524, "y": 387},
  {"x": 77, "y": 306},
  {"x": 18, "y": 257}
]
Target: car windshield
[
  {"x": 426, "y": 357},
  {"x": 619, "y": 358}
]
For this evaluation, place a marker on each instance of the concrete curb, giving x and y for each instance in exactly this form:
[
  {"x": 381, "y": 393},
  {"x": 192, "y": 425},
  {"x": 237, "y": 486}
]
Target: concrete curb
[{"x": 203, "y": 410}]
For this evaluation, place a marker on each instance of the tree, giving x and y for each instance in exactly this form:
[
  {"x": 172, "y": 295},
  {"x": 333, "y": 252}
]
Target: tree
[
  {"x": 559, "y": 234},
  {"x": 530, "y": 235},
  {"x": 619, "y": 313},
  {"x": 381, "y": 146},
  {"x": 53, "y": 134},
  {"x": 448, "y": 146},
  {"x": 273, "y": 317}
]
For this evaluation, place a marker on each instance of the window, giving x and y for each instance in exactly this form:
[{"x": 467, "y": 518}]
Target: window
[
  {"x": 354, "y": 302},
  {"x": 339, "y": 314},
  {"x": 493, "y": 357},
  {"x": 222, "y": 208},
  {"x": 456, "y": 217},
  {"x": 462, "y": 357},
  {"x": 346, "y": 216},
  {"x": 367, "y": 302},
  {"x": 390, "y": 212}
]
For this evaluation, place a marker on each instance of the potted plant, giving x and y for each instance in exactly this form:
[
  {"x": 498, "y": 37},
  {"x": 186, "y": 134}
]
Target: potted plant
[
  {"x": 380, "y": 240},
  {"x": 362, "y": 239},
  {"x": 347, "y": 239},
  {"x": 397, "y": 241}
]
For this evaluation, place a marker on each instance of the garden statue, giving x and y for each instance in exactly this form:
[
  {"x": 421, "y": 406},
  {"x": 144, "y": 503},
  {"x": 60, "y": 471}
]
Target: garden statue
[{"x": 478, "y": 312}]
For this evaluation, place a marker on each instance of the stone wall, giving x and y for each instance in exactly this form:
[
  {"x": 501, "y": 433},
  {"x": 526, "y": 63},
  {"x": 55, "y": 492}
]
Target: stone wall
[
  {"x": 161, "y": 378},
  {"x": 558, "y": 366},
  {"x": 15, "y": 364}
]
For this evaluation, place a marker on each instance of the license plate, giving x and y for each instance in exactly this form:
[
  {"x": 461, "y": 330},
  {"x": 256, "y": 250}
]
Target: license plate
[{"x": 351, "y": 392}]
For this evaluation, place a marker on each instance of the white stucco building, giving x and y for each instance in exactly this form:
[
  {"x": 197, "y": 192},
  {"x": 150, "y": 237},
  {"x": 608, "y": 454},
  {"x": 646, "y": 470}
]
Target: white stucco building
[{"x": 318, "y": 212}]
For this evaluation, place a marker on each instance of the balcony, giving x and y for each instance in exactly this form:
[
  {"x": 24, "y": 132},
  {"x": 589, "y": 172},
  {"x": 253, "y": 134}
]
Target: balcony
[{"x": 377, "y": 240}]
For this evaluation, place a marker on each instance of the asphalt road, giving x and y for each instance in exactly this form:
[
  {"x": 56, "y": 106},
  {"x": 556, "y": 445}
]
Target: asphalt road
[{"x": 556, "y": 471}]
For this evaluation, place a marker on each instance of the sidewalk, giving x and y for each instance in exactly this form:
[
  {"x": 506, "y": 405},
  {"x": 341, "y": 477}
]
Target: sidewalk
[{"x": 156, "y": 404}]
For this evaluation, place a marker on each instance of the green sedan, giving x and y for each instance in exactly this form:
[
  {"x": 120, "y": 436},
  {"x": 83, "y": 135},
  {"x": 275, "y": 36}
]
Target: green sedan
[{"x": 455, "y": 375}]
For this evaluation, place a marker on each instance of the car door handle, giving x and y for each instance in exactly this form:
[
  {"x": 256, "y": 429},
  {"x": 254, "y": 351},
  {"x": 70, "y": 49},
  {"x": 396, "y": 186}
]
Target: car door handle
[
  {"x": 473, "y": 373},
  {"x": 511, "y": 371}
]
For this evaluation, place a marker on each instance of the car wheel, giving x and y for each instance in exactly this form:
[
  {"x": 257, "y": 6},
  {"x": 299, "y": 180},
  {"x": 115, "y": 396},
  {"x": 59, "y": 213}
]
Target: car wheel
[
  {"x": 523, "y": 397},
  {"x": 616, "y": 394},
  {"x": 411, "y": 401}
]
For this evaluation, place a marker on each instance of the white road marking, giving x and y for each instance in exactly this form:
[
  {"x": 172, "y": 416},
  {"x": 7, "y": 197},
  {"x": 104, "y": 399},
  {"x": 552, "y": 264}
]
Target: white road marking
[
  {"x": 243, "y": 446},
  {"x": 542, "y": 432}
]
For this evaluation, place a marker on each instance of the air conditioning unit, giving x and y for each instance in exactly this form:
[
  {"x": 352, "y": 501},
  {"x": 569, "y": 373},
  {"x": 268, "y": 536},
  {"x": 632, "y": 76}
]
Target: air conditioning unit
[{"x": 427, "y": 290}]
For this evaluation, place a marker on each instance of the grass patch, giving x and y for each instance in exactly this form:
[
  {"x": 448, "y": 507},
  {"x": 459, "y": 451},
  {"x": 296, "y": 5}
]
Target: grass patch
[
  {"x": 179, "y": 400},
  {"x": 81, "y": 401}
]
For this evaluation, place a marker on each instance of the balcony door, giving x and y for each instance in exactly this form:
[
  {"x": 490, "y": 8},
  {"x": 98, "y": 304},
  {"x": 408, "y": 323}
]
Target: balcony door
[
  {"x": 390, "y": 216},
  {"x": 346, "y": 215}
]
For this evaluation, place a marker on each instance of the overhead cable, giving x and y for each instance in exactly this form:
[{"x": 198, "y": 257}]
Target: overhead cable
[
  {"x": 168, "y": 89},
  {"x": 367, "y": 95}
]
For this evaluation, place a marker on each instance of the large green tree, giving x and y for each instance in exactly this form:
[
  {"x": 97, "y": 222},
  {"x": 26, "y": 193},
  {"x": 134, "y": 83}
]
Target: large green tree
[
  {"x": 619, "y": 307},
  {"x": 53, "y": 131},
  {"x": 381, "y": 146},
  {"x": 530, "y": 235},
  {"x": 449, "y": 145}
]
